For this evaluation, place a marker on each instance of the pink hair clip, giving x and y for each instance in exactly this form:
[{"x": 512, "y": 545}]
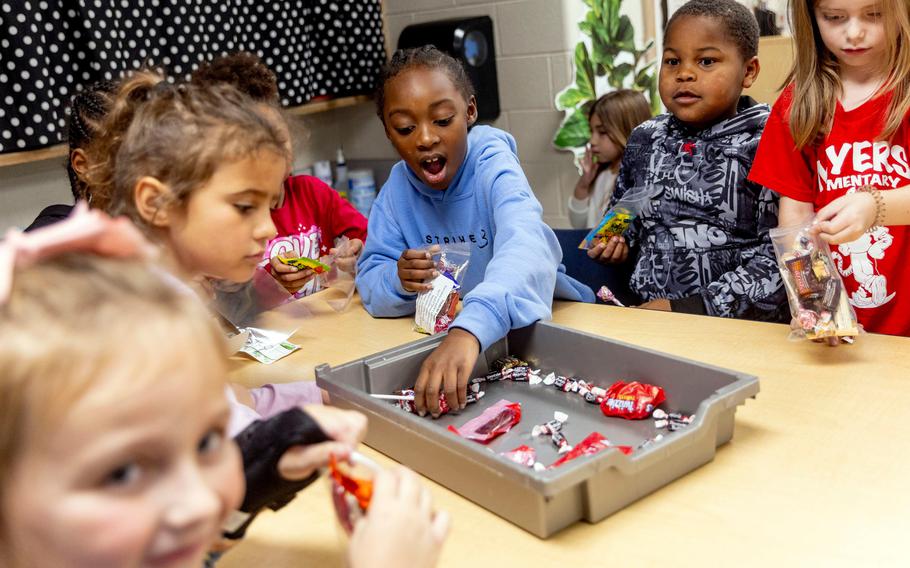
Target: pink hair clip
[{"x": 84, "y": 230}]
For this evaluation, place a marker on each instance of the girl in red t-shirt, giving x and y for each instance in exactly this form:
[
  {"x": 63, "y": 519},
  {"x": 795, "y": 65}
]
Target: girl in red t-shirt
[{"x": 836, "y": 144}]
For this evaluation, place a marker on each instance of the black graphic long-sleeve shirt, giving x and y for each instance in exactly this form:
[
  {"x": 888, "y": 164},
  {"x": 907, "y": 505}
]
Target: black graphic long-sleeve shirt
[{"x": 702, "y": 240}]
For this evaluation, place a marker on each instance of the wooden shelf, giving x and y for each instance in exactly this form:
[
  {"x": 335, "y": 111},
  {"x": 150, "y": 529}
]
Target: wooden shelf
[
  {"x": 322, "y": 106},
  {"x": 59, "y": 151},
  {"x": 15, "y": 158}
]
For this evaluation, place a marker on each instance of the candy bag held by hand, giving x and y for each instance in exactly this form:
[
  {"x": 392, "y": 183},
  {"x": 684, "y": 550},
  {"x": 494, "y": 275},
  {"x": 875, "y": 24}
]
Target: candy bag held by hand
[
  {"x": 617, "y": 219},
  {"x": 352, "y": 488},
  {"x": 632, "y": 401},
  {"x": 818, "y": 300},
  {"x": 436, "y": 307},
  {"x": 493, "y": 422}
]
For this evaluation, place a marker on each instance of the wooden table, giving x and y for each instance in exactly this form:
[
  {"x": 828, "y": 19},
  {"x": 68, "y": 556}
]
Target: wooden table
[{"x": 816, "y": 473}]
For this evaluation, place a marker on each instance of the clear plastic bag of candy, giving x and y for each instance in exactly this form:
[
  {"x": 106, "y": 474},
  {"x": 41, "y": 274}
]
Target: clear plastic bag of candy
[
  {"x": 818, "y": 300},
  {"x": 436, "y": 307},
  {"x": 617, "y": 218},
  {"x": 352, "y": 488}
]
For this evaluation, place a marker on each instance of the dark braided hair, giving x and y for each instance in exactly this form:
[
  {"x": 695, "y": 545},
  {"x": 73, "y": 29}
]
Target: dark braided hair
[
  {"x": 428, "y": 57},
  {"x": 87, "y": 109},
  {"x": 245, "y": 71},
  {"x": 738, "y": 21}
]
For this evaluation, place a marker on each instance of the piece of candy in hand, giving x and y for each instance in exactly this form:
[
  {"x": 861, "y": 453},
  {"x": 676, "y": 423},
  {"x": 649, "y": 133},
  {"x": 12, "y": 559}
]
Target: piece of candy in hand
[{"x": 303, "y": 262}]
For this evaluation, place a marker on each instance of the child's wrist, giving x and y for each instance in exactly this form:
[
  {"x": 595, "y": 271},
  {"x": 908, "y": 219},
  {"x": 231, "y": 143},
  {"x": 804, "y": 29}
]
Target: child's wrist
[{"x": 879, "y": 218}]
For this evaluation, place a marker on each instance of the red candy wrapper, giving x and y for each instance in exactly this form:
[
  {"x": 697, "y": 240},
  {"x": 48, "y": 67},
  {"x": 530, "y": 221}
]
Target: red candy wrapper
[
  {"x": 594, "y": 443},
  {"x": 493, "y": 422},
  {"x": 632, "y": 401},
  {"x": 522, "y": 455},
  {"x": 352, "y": 488}
]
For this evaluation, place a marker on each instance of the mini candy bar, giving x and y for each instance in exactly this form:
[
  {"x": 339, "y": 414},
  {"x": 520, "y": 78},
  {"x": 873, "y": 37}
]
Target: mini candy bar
[
  {"x": 661, "y": 414},
  {"x": 507, "y": 363},
  {"x": 632, "y": 401},
  {"x": 519, "y": 374},
  {"x": 559, "y": 440},
  {"x": 522, "y": 455},
  {"x": 492, "y": 422},
  {"x": 800, "y": 267},
  {"x": 594, "y": 443},
  {"x": 560, "y": 382},
  {"x": 473, "y": 395},
  {"x": 555, "y": 425},
  {"x": 592, "y": 398},
  {"x": 303, "y": 262}
]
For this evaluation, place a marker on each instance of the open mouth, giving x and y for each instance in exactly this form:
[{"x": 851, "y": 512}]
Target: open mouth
[{"x": 434, "y": 169}]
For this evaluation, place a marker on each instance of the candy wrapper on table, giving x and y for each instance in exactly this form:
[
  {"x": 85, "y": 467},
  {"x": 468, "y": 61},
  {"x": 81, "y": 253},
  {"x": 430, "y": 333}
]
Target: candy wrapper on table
[
  {"x": 818, "y": 300},
  {"x": 436, "y": 307},
  {"x": 617, "y": 218},
  {"x": 522, "y": 455},
  {"x": 352, "y": 488},
  {"x": 492, "y": 422},
  {"x": 594, "y": 443}
]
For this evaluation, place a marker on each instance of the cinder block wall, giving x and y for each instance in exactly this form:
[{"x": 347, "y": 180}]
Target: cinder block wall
[{"x": 534, "y": 43}]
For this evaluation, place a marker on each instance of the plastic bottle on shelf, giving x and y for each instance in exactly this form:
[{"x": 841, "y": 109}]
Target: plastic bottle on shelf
[
  {"x": 323, "y": 170},
  {"x": 341, "y": 174},
  {"x": 362, "y": 190}
]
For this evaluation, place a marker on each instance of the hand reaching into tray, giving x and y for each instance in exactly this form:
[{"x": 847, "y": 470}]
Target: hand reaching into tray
[
  {"x": 448, "y": 368},
  {"x": 401, "y": 529}
]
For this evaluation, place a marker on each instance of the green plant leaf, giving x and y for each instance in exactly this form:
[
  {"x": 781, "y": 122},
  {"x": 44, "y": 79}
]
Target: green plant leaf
[
  {"x": 573, "y": 132},
  {"x": 569, "y": 98},
  {"x": 618, "y": 75},
  {"x": 584, "y": 70},
  {"x": 611, "y": 16}
]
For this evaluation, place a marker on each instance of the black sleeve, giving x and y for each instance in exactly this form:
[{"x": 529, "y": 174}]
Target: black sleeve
[{"x": 262, "y": 444}]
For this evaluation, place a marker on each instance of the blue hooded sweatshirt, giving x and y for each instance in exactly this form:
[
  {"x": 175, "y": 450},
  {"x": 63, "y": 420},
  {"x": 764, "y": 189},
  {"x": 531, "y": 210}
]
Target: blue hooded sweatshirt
[{"x": 514, "y": 268}]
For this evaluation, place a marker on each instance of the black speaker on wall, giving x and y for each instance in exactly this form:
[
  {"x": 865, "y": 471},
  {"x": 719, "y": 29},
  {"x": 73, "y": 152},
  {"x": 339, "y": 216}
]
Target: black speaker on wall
[{"x": 470, "y": 40}]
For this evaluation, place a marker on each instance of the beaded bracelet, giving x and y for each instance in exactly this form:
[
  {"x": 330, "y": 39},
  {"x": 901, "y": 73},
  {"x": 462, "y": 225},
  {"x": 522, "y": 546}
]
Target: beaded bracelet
[{"x": 879, "y": 206}]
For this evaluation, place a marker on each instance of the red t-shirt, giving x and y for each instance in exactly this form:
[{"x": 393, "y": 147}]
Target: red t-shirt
[
  {"x": 309, "y": 221},
  {"x": 876, "y": 267}
]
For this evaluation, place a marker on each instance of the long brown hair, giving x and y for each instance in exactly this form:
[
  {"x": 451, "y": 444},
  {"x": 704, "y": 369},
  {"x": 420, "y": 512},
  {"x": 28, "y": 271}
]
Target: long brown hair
[
  {"x": 815, "y": 74},
  {"x": 177, "y": 134},
  {"x": 620, "y": 112}
]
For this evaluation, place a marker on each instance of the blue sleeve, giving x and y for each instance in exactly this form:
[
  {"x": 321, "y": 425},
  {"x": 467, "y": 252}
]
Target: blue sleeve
[
  {"x": 377, "y": 270},
  {"x": 518, "y": 283}
]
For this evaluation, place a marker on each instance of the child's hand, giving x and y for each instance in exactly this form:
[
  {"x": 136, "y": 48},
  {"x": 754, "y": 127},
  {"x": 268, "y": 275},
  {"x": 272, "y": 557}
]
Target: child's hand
[
  {"x": 346, "y": 428},
  {"x": 588, "y": 174},
  {"x": 846, "y": 218},
  {"x": 613, "y": 251},
  {"x": 448, "y": 366},
  {"x": 291, "y": 277},
  {"x": 346, "y": 259},
  {"x": 415, "y": 266},
  {"x": 400, "y": 530},
  {"x": 660, "y": 304}
]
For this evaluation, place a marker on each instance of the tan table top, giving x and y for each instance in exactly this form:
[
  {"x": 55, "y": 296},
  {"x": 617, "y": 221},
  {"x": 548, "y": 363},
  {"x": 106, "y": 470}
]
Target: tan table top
[{"x": 816, "y": 472}]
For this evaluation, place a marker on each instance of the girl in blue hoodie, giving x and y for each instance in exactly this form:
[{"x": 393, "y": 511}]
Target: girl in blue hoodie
[{"x": 455, "y": 184}]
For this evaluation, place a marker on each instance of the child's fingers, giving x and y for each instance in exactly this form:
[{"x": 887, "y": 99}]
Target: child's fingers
[
  {"x": 299, "y": 462},
  {"x": 417, "y": 274},
  {"x": 440, "y": 527},
  {"x": 302, "y": 275},
  {"x": 281, "y": 267},
  {"x": 597, "y": 250},
  {"x": 409, "y": 487},
  {"x": 420, "y": 390},
  {"x": 416, "y": 254},
  {"x": 451, "y": 383},
  {"x": 463, "y": 377},
  {"x": 620, "y": 250}
]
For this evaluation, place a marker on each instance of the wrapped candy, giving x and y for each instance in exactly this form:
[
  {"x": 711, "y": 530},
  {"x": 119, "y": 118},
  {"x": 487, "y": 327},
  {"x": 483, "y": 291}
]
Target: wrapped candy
[
  {"x": 507, "y": 362},
  {"x": 492, "y": 422},
  {"x": 352, "y": 488},
  {"x": 608, "y": 297},
  {"x": 522, "y": 455},
  {"x": 819, "y": 305},
  {"x": 617, "y": 219},
  {"x": 594, "y": 443},
  {"x": 404, "y": 399},
  {"x": 632, "y": 401}
]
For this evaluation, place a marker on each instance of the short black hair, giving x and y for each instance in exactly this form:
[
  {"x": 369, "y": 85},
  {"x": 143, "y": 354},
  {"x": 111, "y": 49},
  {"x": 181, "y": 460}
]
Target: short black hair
[
  {"x": 739, "y": 22},
  {"x": 242, "y": 70},
  {"x": 426, "y": 56},
  {"x": 87, "y": 108}
]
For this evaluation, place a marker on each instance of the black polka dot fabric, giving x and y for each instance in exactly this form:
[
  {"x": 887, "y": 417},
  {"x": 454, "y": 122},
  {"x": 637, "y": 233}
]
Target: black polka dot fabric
[{"x": 50, "y": 49}]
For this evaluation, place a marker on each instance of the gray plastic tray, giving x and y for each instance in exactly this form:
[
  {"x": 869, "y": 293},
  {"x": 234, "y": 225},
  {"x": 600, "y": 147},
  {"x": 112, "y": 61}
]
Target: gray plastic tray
[{"x": 588, "y": 488}]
